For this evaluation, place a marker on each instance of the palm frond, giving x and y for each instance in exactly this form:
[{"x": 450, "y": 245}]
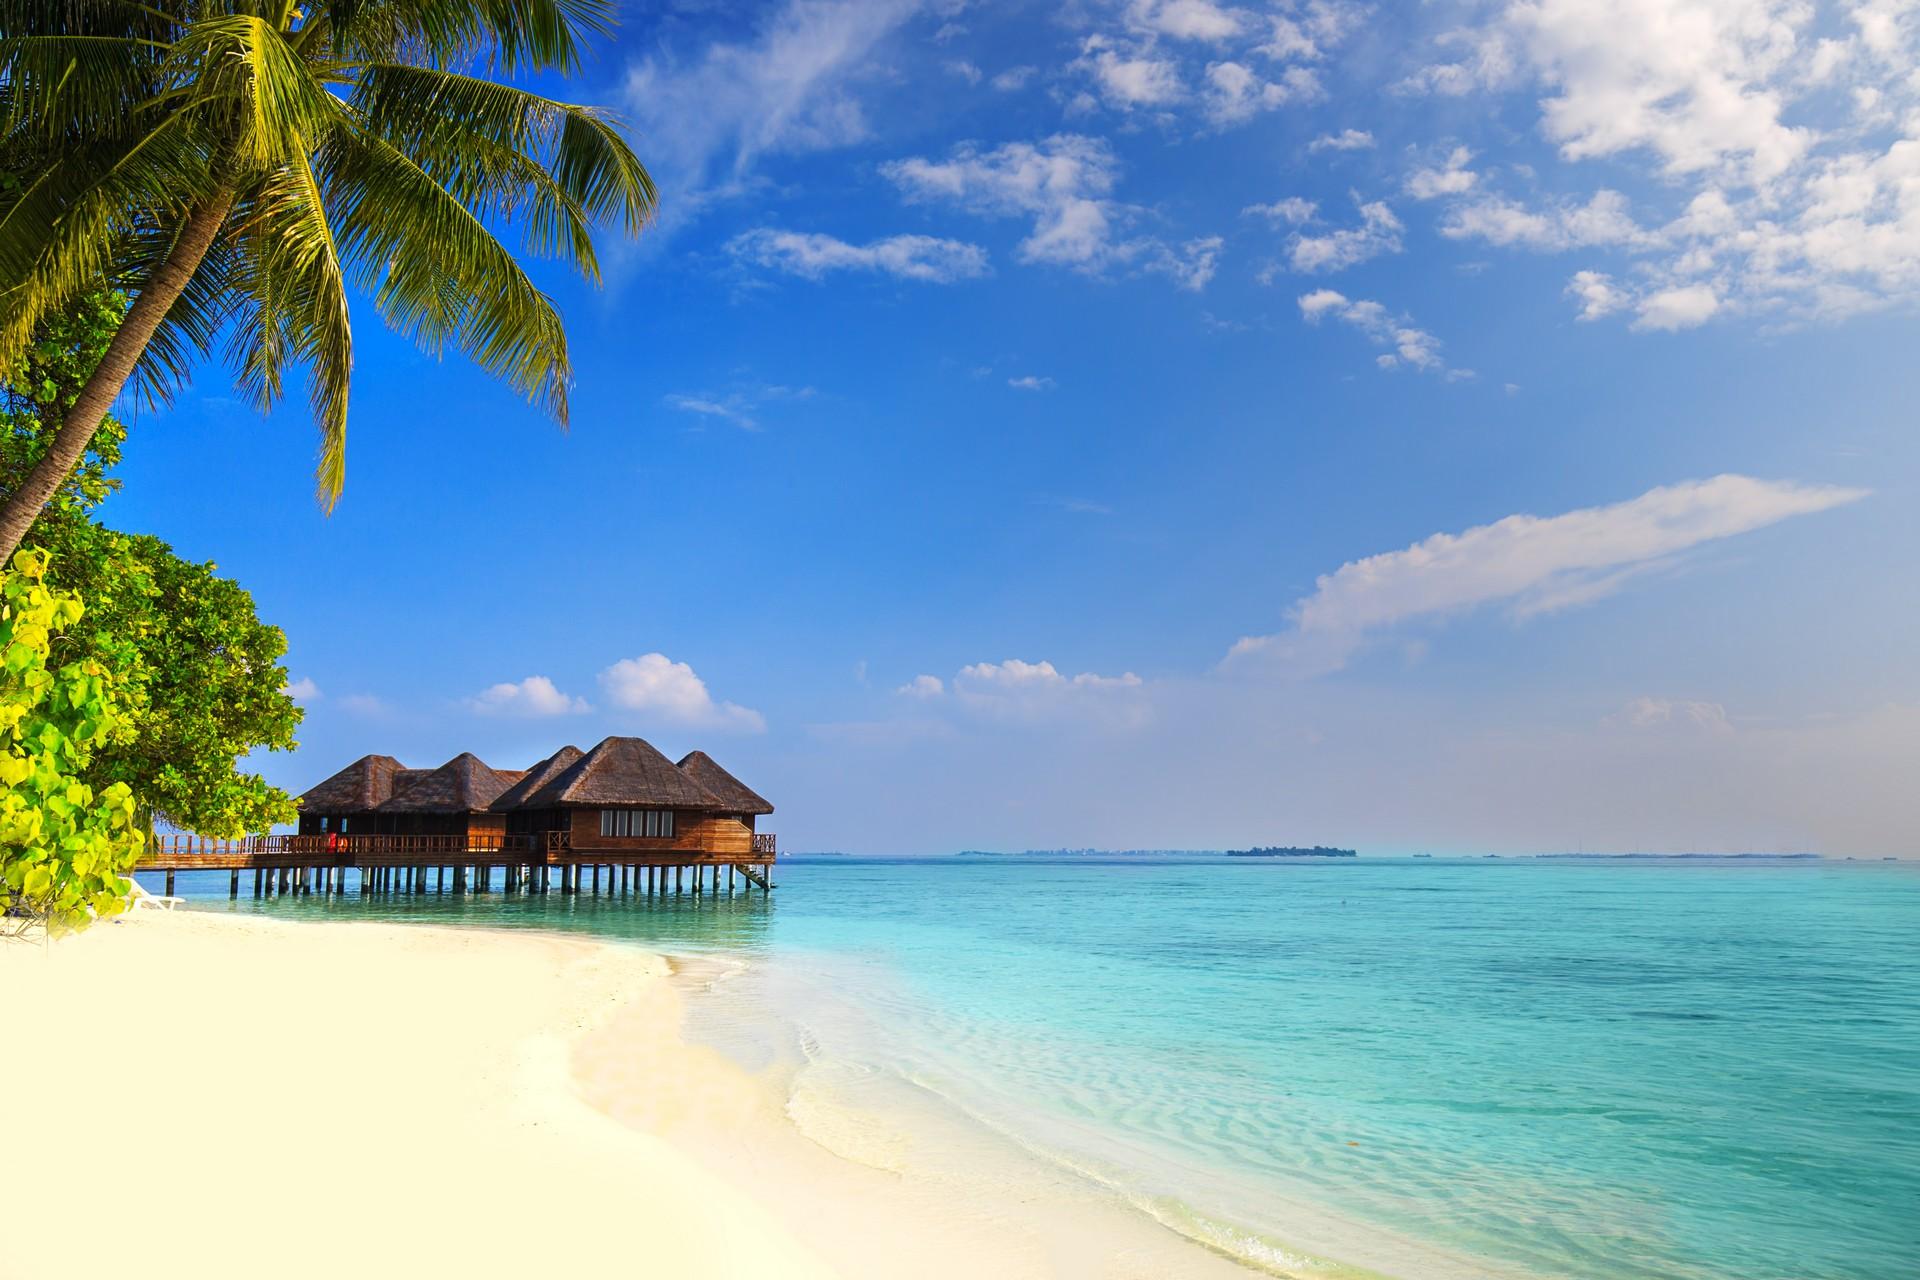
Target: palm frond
[
  {"x": 59, "y": 232},
  {"x": 437, "y": 273},
  {"x": 553, "y": 166},
  {"x": 295, "y": 308},
  {"x": 513, "y": 35},
  {"x": 267, "y": 92},
  {"x": 61, "y": 87}
]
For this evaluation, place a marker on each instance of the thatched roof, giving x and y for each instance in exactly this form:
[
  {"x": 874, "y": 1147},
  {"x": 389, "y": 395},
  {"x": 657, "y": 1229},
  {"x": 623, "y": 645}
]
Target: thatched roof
[
  {"x": 734, "y": 794},
  {"x": 365, "y": 784},
  {"x": 515, "y": 796},
  {"x": 463, "y": 784},
  {"x": 624, "y": 771}
]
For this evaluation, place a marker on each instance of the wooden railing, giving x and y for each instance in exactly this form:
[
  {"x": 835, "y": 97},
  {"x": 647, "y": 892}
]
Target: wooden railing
[
  {"x": 336, "y": 846},
  {"x": 185, "y": 851}
]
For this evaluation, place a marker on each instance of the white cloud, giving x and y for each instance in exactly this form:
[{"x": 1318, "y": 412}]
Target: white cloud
[
  {"x": 303, "y": 690},
  {"x": 1235, "y": 93},
  {"x": 922, "y": 686},
  {"x": 1186, "y": 19},
  {"x": 1602, "y": 220},
  {"x": 1378, "y": 233},
  {"x": 710, "y": 408},
  {"x": 1308, "y": 31},
  {"x": 965, "y": 70},
  {"x": 740, "y": 407},
  {"x": 1787, "y": 135},
  {"x": 1410, "y": 345},
  {"x": 1013, "y": 79},
  {"x": 1064, "y": 184},
  {"x": 1345, "y": 140},
  {"x": 534, "y": 696},
  {"x": 1597, "y": 294},
  {"x": 1452, "y": 178},
  {"x": 1294, "y": 211},
  {"x": 1016, "y": 691},
  {"x": 790, "y": 87},
  {"x": 1172, "y": 59},
  {"x": 1190, "y": 265},
  {"x": 1531, "y": 563},
  {"x": 1659, "y": 713},
  {"x": 660, "y": 688},
  {"x": 1031, "y": 382},
  {"x": 1126, "y": 81},
  {"x": 1016, "y": 674},
  {"x": 906, "y": 257},
  {"x": 1682, "y": 307}
]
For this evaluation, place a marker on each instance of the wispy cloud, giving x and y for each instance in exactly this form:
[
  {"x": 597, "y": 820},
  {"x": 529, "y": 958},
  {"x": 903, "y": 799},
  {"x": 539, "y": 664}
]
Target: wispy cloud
[
  {"x": 791, "y": 86},
  {"x": 1063, "y": 186},
  {"x": 927, "y": 259},
  {"x": 1031, "y": 382},
  {"x": 302, "y": 690},
  {"x": 1411, "y": 345},
  {"x": 1345, "y": 140},
  {"x": 1378, "y": 233},
  {"x": 1532, "y": 564},
  {"x": 741, "y": 408}
]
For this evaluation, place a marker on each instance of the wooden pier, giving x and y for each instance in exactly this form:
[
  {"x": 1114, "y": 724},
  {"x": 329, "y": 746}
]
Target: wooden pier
[{"x": 414, "y": 864}]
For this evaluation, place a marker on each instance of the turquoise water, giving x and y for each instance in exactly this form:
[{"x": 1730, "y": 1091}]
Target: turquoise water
[{"x": 1500, "y": 1067}]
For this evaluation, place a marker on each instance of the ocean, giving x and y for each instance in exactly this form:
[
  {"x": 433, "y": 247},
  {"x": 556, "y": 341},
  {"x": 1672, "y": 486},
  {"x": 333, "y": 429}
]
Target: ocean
[{"x": 1603, "y": 1070}]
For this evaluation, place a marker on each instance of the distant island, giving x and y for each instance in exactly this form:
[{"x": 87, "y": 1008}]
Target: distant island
[{"x": 1292, "y": 851}]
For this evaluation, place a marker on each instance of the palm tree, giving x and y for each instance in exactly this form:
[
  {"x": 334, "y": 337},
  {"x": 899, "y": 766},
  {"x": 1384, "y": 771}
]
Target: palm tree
[{"x": 234, "y": 164}]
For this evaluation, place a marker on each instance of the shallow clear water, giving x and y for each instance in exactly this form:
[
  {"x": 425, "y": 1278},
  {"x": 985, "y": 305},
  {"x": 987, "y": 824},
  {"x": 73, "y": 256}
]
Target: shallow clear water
[{"x": 1574, "y": 1069}]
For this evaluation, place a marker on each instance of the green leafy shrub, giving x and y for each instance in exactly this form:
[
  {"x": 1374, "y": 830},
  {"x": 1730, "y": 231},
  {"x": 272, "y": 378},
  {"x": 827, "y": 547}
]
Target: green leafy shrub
[
  {"x": 65, "y": 850},
  {"x": 205, "y": 684}
]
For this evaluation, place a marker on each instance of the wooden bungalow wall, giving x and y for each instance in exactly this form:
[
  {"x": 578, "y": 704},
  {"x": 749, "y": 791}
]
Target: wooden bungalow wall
[{"x": 692, "y": 832}]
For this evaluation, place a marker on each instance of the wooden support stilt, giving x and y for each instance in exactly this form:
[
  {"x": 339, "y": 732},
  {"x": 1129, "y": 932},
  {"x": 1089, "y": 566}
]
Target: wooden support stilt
[{"x": 233, "y": 884}]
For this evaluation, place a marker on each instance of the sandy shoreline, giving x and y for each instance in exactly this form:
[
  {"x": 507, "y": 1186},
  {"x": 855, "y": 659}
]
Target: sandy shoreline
[{"x": 217, "y": 1096}]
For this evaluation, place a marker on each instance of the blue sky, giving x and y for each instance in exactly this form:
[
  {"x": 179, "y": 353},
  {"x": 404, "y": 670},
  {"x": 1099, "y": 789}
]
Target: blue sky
[{"x": 1447, "y": 427}]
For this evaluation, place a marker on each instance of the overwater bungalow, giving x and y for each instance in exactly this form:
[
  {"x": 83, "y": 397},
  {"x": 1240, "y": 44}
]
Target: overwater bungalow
[
  {"x": 622, "y": 808},
  {"x": 377, "y": 795}
]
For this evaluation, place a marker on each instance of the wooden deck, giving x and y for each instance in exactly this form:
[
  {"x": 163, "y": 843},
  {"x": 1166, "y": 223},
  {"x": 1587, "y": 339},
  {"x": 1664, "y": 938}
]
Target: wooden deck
[{"x": 410, "y": 864}]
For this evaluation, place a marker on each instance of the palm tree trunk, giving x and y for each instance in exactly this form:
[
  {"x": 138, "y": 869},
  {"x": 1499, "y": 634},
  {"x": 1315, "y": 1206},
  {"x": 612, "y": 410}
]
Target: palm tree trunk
[{"x": 23, "y": 505}]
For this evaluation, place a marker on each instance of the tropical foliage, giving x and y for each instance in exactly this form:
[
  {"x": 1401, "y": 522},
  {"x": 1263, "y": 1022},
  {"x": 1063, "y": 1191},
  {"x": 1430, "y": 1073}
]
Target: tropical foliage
[
  {"x": 204, "y": 682},
  {"x": 235, "y": 165},
  {"x": 65, "y": 848}
]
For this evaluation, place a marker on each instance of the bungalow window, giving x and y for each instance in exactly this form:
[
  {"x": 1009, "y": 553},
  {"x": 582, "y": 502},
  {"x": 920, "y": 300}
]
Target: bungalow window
[{"x": 654, "y": 823}]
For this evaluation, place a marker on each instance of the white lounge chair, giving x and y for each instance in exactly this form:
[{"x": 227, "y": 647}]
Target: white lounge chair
[{"x": 152, "y": 901}]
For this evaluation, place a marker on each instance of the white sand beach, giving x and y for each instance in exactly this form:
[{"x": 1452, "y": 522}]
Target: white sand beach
[{"x": 198, "y": 1095}]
